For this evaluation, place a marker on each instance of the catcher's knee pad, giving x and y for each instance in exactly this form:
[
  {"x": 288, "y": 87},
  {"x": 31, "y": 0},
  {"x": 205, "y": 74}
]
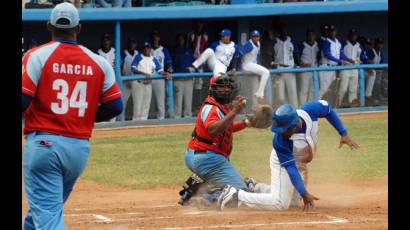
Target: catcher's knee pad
[{"x": 190, "y": 188}]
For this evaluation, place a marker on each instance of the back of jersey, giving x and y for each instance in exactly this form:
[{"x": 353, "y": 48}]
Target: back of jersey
[{"x": 67, "y": 82}]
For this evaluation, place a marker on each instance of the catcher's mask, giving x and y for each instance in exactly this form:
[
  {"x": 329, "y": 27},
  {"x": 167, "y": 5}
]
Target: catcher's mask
[{"x": 222, "y": 88}]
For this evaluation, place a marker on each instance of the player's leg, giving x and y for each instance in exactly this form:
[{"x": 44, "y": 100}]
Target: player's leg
[
  {"x": 137, "y": 99},
  {"x": 306, "y": 77},
  {"x": 281, "y": 88},
  {"x": 268, "y": 91},
  {"x": 219, "y": 67},
  {"x": 353, "y": 83},
  {"x": 370, "y": 79},
  {"x": 207, "y": 56},
  {"x": 217, "y": 169},
  {"x": 325, "y": 80},
  {"x": 126, "y": 93},
  {"x": 43, "y": 177},
  {"x": 158, "y": 88},
  {"x": 74, "y": 157},
  {"x": 179, "y": 91},
  {"x": 343, "y": 84},
  {"x": 290, "y": 81},
  {"x": 281, "y": 190},
  {"x": 188, "y": 90},
  {"x": 146, "y": 101}
]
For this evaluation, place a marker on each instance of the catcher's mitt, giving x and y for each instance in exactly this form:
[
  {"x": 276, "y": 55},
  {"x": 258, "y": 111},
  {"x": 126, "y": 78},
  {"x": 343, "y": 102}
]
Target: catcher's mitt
[{"x": 262, "y": 117}]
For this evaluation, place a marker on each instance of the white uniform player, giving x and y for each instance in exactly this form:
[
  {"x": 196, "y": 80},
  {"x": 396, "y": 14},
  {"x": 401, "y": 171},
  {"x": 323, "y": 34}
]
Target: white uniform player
[
  {"x": 295, "y": 141},
  {"x": 309, "y": 58},
  {"x": 144, "y": 63},
  {"x": 158, "y": 86},
  {"x": 284, "y": 49},
  {"x": 220, "y": 55},
  {"x": 332, "y": 55},
  {"x": 349, "y": 79},
  {"x": 250, "y": 64},
  {"x": 128, "y": 88}
]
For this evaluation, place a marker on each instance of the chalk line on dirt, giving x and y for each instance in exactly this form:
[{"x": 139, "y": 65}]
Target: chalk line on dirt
[
  {"x": 102, "y": 218},
  {"x": 332, "y": 220}
]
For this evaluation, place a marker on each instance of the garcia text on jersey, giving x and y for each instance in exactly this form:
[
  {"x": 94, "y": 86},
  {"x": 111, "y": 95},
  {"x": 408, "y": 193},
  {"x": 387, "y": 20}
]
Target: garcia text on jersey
[{"x": 72, "y": 69}]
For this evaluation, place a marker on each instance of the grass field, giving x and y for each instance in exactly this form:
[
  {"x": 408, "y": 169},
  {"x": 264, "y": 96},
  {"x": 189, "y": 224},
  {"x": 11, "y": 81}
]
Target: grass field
[{"x": 156, "y": 160}]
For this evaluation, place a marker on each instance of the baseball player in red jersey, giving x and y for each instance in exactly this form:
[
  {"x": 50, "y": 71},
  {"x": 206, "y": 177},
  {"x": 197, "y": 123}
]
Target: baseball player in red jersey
[
  {"x": 65, "y": 89},
  {"x": 210, "y": 146}
]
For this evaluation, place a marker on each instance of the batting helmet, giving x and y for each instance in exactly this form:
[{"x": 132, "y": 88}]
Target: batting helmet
[
  {"x": 222, "y": 80},
  {"x": 283, "y": 118}
]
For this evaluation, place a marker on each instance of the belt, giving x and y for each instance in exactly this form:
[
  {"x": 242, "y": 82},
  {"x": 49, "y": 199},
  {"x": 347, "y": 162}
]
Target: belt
[
  {"x": 45, "y": 133},
  {"x": 199, "y": 151}
]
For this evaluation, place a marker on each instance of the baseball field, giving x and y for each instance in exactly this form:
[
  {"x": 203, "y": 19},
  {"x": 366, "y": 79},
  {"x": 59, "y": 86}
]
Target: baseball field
[{"x": 134, "y": 175}]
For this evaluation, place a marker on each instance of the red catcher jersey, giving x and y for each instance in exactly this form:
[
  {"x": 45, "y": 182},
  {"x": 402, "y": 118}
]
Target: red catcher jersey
[{"x": 67, "y": 82}]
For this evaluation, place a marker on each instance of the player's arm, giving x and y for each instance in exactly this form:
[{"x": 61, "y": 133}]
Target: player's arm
[
  {"x": 218, "y": 127},
  {"x": 214, "y": 45},
  {"x": 327, "y": 53},
  {"x": 167, "y": 60},
  {"x": 287, "y": 161},
  {"x": 344, "y": 57},
  {"x": 247, "y": 48},
  {"x": 322, "y": 108},
  {"x": 296, "y": 53},
  {"x": 31, "y": 72},
  {"x": 109, "y": 110}
]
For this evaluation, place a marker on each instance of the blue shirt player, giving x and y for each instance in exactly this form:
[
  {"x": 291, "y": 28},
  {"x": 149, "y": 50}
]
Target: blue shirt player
[
  {"x": 221, "y": 56},
  {"x": 294, "y": 143}
]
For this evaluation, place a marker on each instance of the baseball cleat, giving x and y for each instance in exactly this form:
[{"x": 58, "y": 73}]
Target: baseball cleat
[{"x": 228, "y": 195}]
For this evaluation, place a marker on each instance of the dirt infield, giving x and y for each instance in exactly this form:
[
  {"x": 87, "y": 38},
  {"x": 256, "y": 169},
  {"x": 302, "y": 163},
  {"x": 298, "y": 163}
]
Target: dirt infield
[{"x": 342, "y": 205}]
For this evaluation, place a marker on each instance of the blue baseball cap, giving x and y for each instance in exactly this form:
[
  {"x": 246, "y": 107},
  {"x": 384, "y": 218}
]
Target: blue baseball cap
[
  {"x": 226, "y": 32},
  {"x": 147, "y": 45},
  {"x": 283, "y": 118},
  {"x": 255, "y": 33}
]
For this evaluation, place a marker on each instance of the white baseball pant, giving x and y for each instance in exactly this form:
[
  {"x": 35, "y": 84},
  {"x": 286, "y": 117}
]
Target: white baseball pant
[
  {"x": 158, "y": 88},
  {"x": 370, "y": 79},
  {"x": 325, "y": 80},
  {"x": 276, "y": 196},
  {"x": 214, "y": 64},
  {"x": 348, "y": 79},
  {"x": 306, "y": 87},
  {"x": 183, "y": 94},
  {"x": 142, "y": 100},
  {"x": 262, "y": 72},
  {"x": 288, "y": 80}
]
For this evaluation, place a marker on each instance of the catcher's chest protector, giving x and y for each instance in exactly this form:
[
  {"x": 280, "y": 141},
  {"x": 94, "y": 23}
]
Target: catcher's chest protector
[{"x": 201, "y": 140}]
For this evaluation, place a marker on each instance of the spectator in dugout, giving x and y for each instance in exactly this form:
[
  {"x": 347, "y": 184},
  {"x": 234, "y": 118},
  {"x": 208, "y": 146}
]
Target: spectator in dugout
[
  {"x": 114, "y": 3},
  {"x": 129, "y": 88},
  {"x": 286, "y": 56},
  {"x": 349, "y": 79},
  {"x": 183, "y": 57},
  {"x": 371, "y": 55},
  {"x": 106, "y": 50},
  {"x": 145, "y": 64},
  {"x": 158, "y": 86}
]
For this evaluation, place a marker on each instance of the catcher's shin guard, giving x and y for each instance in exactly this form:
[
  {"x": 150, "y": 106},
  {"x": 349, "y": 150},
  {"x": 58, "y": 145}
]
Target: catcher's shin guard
[{"x": 190, "y": 187}]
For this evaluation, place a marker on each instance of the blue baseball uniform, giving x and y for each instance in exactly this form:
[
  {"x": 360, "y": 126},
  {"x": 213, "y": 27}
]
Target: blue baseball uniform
[{"x": 284, "y": 159}]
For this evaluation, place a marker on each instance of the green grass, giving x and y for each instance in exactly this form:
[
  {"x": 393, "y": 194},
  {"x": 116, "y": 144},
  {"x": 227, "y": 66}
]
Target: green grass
[{"x": 154, "y": 160}]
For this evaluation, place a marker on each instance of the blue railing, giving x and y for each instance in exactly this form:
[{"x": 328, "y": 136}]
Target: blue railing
[{"x": 315, "y": 76}]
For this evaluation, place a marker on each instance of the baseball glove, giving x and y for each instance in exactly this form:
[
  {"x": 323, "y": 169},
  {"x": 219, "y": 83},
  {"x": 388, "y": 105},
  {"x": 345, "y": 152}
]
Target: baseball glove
[{"x": 262, "y": 116}]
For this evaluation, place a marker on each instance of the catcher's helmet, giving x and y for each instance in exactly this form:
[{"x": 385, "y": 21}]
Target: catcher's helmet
[
  {"x": 222, "y": 80},
  {"x": 283, "y": 118}
]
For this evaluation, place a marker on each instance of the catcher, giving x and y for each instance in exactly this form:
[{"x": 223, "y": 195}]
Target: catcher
[
  {"x": 210, "y": 146},
  {"x": 293, "y": 147}
]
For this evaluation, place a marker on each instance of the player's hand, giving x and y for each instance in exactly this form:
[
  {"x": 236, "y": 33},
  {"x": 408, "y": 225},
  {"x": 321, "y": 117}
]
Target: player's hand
[
  {"x": 308, "y": 201},
  {"x": 238, "y": 104},
  {"x": 274, "y": 65},
  {"x": 306, "y": 65},
  {"x": 168, "y": 76},
  {"x": 170, "y": 70},
  {"x": 148, "y": 76},
  {"x": 352, "y": 61},
  {"x": 346, "y": 140}
]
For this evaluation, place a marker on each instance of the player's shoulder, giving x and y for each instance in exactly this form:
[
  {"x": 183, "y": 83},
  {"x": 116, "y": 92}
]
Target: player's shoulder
[
  {"x": 99, "y": 60},
  {"x": 42, "y": 49}
]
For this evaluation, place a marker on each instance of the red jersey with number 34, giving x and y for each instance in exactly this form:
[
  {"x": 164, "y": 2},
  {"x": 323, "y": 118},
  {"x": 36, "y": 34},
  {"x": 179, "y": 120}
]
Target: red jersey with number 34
[{"x": 67, "y": 82}]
